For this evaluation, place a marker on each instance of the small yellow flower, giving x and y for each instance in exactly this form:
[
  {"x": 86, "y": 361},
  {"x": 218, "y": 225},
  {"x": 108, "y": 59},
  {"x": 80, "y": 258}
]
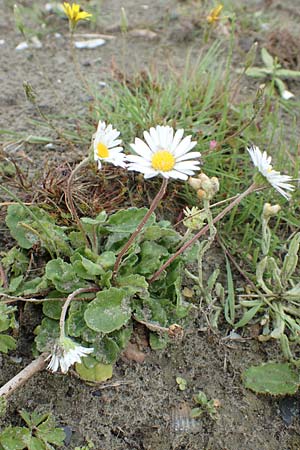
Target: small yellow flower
[
  {"x": 74, "y": 14},
  {"x": 214, "y": 14}
]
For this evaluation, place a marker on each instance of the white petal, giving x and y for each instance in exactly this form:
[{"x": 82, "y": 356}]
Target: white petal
[
  {"x": 189, "y": 155},
  {"x": 177, "y": 139},
  {"x": 141, "y": 149},
  {"x": 154, "y": 135},
  {"x": 177, "y": 175},
  {"x": 150, "y": 141},
  {"x": 185, "y": 146}
]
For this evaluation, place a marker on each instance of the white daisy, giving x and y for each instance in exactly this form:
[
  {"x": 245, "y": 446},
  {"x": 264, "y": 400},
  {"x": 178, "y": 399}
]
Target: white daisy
[
  {"x": 164, "y": 153},
  {"x": 66, "y": 353},
  {"x": 107, "y": 146},
  {"x": 263, "y": 162}
]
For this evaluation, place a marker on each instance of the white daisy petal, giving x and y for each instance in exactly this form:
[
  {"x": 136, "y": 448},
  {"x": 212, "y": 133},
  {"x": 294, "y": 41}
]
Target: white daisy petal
[
  {"x": 150, "y": 174},
  {"x": 177, "y": 139},
  {"x": 150, "y": 141},
  {"x": 177, "y": 175},
  {"x": 185, "y": 146},
  {"x": 166, "y": 154},
  {"x": 65, "y": 353},
  {"x": 263, "y": 163},
  {"x": 107, "y": 146},
  {"x": 154, "y": 136},
  {"x": 141, "y": 148}
]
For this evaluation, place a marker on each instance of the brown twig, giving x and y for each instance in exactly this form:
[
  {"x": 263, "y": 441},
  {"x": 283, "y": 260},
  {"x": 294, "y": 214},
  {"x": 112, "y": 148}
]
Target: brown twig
[
  {"x": 3, "y": 277},
  {"x": 22, "y": 377},
  {"x": 141, "y": 225},
  {"x": 69, "y": 198}
]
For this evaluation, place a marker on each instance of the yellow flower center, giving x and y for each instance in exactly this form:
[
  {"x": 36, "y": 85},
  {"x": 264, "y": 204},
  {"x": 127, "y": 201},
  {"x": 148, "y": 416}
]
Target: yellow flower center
[
  {"x": 163, "y": 160},
  {"x": 102, "y": 150}
]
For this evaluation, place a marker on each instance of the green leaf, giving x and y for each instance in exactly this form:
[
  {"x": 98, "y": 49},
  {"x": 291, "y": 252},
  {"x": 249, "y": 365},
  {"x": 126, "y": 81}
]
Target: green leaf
[
  {"x": 122, "y": 336},
  {"x": 116, "y": 241},
  {"x": 7, "y": 343},
  {"x": 248, "y": 315},
  {"x": 47, "y": 333},
  {"x": 109, "y": 312},
  {"x": 15, "y": 283},
  {"x": 151, "y": 257},
  {"x": 272, "y": 378},
  {"x": 286, "y": 73},
  {"x": 75, "y": 323},
  {"x": 229, "y": 308},
  {"x": 268, "y": 59},
  {"x": 106, "y": 260},
  {"x": 281, "y": 88},
  {"x": 52, "y": 309},
  {"x": 291, "y": 259},
  {"x": 196, "y": 412},
  {"x": 158, "y": 342},
  {"x": 33, "y": 443},
  {"x": 95, "y": 372},
  {"x": 257, "y": 72},
  {"x": 91, "y": 267},
  {"x": 127, "y": 220},
  {"x": 133, "y": 284},
  {"x": 162, "y": 232},
  {"x": 47, "y": 432},
  {"x": 15, "y": 261},
  {"x": 13, "y": 438},
  {"x": 106, "y": 350},
  {"x": 16, "y": 215},
  {"x": 98, "y": 220},
  {"x": 63, "y": 276}
]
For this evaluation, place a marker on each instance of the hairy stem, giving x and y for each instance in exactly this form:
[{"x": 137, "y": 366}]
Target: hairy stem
[
  {"x": 204, "y": 230},
  {"x": 67, "y": 303},
  {"x": 153, "y": 206},
  {"x": 77, "y": 66}
]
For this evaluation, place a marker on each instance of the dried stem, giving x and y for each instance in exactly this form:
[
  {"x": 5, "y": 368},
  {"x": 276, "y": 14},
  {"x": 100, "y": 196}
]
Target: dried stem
[
  {"x": 200, "y": 233},
  {"x": 22, "y": 377},
  {"x": 70, "y": 203},
  {"x": 153, "y": 206}
]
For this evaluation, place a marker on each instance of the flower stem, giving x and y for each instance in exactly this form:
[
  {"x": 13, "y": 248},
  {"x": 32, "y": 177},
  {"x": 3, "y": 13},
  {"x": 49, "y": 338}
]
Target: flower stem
[
  {"x": 77, "y": 66},
  {"x": 70, "y": 203},
  {"x": 67, "y": 303},
  {"x": 141, "y": 225},
  {"x": 220, "y": 216}
]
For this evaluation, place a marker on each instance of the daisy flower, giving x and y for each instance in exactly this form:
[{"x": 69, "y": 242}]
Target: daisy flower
[
  {"x": 263, "y": 162},
  {"x": 107, "y": 146},
  {"x": 164, "y": 153},
  {"x": 66, "y": 353}
]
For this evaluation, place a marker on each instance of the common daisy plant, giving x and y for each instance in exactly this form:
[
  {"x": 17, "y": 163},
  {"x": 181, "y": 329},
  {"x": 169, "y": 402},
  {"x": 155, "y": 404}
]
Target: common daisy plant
[{"x": 109, "y": 271}]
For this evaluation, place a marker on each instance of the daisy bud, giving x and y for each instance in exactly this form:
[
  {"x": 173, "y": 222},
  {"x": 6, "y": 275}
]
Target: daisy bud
[
  {"x": 270, "y": 210},
  {"x": 195, "y": 183}
]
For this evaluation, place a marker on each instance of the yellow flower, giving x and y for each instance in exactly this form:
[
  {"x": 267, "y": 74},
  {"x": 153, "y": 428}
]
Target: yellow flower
[
  {"x": 214, "y": 14},
  {"x": 74, "y": 14}
]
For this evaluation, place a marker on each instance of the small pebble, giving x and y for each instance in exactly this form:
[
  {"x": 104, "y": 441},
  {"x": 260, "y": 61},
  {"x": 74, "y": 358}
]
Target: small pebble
[
  {"x": 90, "y": 43},
  {"x": 289, "y": 408},
  {"x": 68, "y": 432}
]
